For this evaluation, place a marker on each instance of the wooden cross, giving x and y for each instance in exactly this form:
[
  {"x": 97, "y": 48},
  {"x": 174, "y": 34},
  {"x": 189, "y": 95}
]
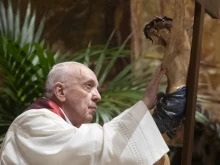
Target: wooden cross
[{"x": 212, "y": 8}]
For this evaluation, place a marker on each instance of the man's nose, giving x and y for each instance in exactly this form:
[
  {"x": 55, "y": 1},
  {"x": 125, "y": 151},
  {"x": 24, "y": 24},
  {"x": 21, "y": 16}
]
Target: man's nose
[{"x": 95, "y": 95}]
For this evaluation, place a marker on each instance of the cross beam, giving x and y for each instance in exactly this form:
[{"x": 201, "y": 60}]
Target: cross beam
[{"x": 211, "y": 7}]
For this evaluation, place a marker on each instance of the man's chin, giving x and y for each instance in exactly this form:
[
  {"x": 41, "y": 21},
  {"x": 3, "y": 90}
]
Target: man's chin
[{"x": 89, "y": 119}]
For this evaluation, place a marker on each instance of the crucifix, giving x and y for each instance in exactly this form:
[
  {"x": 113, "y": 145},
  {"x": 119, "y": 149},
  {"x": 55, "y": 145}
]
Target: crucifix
[
  {"x": 181, "y": 60},
  {"x": 212, "y": 8}
]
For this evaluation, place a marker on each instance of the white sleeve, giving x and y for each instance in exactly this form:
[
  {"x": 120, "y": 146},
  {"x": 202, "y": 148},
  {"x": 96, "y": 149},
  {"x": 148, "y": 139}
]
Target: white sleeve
[
  {"x": 133, "y": 138},
  {"x": 41, "y": 137}
]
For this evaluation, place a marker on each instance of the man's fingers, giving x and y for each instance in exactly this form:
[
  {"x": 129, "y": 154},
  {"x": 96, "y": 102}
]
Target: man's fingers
[
  {"x": 159, "y": 73},
  {"x": 150, "y": 97}
]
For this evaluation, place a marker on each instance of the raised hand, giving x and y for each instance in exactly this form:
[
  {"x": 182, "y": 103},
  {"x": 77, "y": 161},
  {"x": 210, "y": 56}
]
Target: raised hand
[{"x": 151, "y": 93}]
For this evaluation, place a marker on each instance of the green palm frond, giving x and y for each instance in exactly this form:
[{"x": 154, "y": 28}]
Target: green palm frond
[
  {"x": 102, "y": 57},
  {"x": 24, "y": 73},
  {"x": 12, "y": 27},
  {"x": 125, "y": 89},
  {"x": 24, "y": 62},
  {"x": 24, "y": 70}
]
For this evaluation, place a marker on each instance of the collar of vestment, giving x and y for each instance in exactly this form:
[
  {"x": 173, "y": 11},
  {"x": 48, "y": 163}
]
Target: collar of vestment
[{"x": 47, "y": 104}]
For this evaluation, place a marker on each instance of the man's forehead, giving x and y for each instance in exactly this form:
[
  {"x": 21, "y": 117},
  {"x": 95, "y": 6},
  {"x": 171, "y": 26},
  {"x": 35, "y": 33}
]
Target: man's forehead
[{"x": 85, "y": 73}]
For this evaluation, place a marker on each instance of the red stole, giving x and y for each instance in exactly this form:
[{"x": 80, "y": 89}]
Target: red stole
[{"x": 47, "y": 104}]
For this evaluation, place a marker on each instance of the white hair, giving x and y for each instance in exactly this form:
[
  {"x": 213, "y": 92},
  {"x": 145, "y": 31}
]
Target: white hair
[{"x": 59, "y": 73}]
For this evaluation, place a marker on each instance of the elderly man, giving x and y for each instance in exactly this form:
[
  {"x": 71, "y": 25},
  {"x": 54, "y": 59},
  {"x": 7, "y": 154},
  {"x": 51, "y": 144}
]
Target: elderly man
[{"x": 56, "y": 129}]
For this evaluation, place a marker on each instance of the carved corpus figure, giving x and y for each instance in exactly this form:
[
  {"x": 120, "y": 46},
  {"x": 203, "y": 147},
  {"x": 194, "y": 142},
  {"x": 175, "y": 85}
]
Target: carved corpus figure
[{"x": 172, "y": 34}]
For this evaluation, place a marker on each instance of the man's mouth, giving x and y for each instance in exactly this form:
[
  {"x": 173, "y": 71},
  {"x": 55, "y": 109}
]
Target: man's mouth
[{"x": 93, "y": 108}]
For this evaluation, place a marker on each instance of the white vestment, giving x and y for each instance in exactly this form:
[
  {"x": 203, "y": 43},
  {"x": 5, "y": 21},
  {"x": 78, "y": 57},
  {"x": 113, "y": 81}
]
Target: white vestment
[{"x": 41, "y": 137}]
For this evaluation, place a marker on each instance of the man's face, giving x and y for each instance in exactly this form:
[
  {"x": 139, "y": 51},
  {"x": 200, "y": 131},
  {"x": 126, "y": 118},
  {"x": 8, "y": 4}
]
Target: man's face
[{"x": 81, "y": 96}]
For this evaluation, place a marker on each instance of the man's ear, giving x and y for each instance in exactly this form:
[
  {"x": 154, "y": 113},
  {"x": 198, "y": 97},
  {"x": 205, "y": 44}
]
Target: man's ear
[{"x": 59, "y": 91}]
